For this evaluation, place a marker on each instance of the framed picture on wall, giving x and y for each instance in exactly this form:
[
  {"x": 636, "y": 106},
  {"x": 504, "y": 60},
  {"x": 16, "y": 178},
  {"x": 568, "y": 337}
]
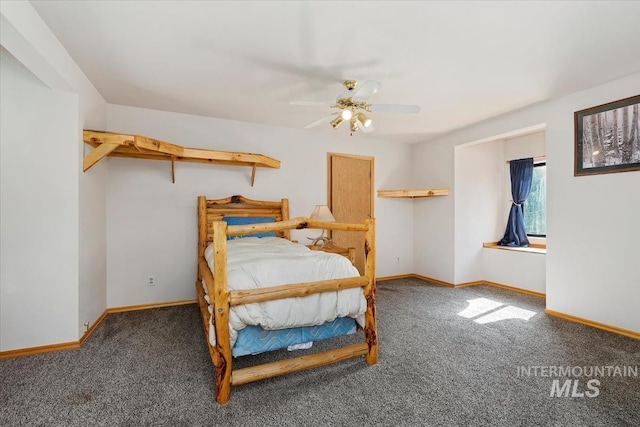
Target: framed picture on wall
[{"x": 607, "y": 138}]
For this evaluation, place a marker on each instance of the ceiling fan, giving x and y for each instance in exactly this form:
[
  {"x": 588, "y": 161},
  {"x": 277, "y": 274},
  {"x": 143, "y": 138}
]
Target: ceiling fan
[{"x": 352, "y": 105}]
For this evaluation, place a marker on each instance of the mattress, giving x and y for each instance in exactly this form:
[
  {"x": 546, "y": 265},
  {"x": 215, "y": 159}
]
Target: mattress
[
  {"x": 254, "y": 339},
  {"x": 270, "y": 261}
]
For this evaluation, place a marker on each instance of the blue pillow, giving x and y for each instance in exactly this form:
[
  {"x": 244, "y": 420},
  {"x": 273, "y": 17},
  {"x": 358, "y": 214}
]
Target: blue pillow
[{"x": 244, "y": 220}]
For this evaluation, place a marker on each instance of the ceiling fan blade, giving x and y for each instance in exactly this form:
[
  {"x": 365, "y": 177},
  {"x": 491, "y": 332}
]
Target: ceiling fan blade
[
  {"x": 326, "y": 119},
  {"x": 393, "y": 108},
  {"x": 365, "y": 90},
  {"x": 310, "y": 103}
]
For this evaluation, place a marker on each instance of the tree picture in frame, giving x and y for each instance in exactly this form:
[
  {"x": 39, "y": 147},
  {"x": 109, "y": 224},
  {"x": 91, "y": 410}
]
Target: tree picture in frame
[{"x": 607, "y": 138}]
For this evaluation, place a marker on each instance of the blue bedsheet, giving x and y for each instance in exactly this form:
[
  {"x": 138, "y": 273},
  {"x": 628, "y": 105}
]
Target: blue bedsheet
[{"x": 254, "y": 339}]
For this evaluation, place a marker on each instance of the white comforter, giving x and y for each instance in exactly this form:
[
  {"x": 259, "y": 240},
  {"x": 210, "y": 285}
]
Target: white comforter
[{"x": 269, "y": 261}]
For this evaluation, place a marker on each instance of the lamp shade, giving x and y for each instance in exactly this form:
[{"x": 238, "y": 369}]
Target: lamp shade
[{"x": 322, "y": 213}]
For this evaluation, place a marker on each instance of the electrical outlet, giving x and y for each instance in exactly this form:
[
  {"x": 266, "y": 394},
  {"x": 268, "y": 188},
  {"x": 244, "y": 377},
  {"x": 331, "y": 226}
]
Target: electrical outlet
[
  {"x": 150, "y": 281},
  {"x": 86, "y": 326}
]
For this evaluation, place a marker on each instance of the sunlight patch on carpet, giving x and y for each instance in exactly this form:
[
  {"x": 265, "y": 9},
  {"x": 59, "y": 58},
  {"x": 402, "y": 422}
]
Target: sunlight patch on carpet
[
  {"x": 506, "y": 313},
  {"x": 493, "y": 311},
  {"x": 479, "y": 306}
]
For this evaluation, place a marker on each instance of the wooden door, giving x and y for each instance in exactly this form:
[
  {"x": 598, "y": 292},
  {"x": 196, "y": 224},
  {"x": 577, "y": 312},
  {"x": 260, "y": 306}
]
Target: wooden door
[{"x": 350, "y": 198}]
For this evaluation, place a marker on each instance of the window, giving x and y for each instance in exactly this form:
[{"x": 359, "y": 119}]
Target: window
[{"x": 535, "y": 208}]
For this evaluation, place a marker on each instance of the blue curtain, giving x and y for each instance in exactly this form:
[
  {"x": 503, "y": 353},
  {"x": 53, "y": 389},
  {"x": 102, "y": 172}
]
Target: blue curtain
[{"x": 521, "y": 177}]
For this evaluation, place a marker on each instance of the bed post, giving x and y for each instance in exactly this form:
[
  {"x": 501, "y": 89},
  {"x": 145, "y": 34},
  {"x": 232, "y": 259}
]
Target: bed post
[
  {"x": 285, "y": 216},
  {"x": 370, "y": 329},
  {"x": 202, "y": 230},
  {"x": 221, "y": 312}
]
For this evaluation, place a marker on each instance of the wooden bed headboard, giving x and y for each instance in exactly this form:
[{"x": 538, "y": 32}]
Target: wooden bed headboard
[{"x": 210, "y": 210}]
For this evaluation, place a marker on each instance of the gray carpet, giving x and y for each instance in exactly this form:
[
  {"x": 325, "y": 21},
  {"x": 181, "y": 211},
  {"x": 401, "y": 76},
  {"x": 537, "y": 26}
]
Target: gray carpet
[{"x": 436, "y": 368}]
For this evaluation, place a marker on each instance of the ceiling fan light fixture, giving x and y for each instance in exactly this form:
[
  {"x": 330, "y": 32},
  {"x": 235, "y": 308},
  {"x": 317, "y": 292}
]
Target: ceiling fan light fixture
[
  {"x": 352, "y": 105},
  {"x": 336, "y": 122},
  {"x": 362, "y": 118}
]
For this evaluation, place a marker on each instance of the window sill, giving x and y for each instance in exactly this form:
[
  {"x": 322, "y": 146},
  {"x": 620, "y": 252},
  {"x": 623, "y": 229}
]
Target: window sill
[{"x": 534, "y": 248}]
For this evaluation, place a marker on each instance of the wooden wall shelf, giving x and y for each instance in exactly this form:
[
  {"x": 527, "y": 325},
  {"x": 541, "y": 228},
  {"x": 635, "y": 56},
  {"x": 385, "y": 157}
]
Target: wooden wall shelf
[
  {"x": 414, "y": 193},
  {"x": 140, "y": 147}
]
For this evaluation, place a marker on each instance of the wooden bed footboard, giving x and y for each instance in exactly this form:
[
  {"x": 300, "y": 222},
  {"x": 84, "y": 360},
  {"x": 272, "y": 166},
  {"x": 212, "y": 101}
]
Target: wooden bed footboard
[{"x": 212, "y": 230}]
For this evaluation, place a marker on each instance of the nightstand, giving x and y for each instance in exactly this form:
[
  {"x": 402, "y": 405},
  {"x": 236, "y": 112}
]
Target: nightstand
[{"x": 348, "y": 253}]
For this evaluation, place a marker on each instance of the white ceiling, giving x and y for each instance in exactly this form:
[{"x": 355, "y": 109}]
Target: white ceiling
[{"x": 462, "y": 62}]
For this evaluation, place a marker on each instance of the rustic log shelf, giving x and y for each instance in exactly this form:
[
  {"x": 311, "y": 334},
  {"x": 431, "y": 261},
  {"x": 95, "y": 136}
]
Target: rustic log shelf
[
  {"x": 140, "y": 147},
  {"x": 414, "y": 193}
]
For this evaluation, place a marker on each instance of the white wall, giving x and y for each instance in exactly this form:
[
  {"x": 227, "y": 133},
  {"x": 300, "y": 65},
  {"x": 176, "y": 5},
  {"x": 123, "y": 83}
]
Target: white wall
[
  {"x": 31, "y": 42},
  {"x": 92, "y": 298},
  {"x": 506, "y": 267},
  {"x": 151, "y": 222},
  {"x": 39, "y": 211},
  {"x": 591, "y": 263},
  {"x": 433, "y": 237},
  {"x": 478, "y": 205}
]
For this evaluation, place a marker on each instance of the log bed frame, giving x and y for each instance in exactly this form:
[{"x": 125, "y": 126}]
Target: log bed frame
[{"x": 211, "y": 229}]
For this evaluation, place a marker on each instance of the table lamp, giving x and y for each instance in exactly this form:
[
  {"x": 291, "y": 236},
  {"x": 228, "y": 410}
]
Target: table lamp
[{"x": 322, "y": 213}]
